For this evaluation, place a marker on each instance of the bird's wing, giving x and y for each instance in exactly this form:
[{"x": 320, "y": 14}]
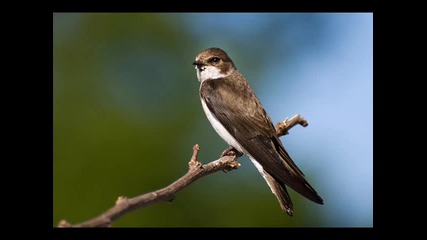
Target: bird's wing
[{"x": 246, "y": 120}]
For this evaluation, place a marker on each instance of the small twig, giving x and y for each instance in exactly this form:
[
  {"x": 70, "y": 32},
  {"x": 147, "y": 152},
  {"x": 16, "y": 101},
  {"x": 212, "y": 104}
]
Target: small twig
[
  {"x": 193, "y": 163},
  {"x": 283, "y": 127},
  {"x": 196, "y": 170}
]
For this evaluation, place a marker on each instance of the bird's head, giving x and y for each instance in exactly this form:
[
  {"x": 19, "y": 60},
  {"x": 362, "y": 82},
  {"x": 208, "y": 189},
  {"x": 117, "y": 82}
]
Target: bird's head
[{"x": 213, "y": 63}]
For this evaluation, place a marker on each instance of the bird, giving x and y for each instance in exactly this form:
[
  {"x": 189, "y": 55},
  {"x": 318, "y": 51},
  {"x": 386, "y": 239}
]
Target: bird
[{"x": 239, "y": 118}]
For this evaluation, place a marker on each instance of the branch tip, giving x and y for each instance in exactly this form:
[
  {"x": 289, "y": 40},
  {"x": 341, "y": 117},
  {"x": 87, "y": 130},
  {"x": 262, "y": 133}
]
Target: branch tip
[
  {"x": 303, "y": 122},
  {"x": 234, "y": 164},
  {"x": 196, "y": 147},
  {"x": 64, "y": 224}
]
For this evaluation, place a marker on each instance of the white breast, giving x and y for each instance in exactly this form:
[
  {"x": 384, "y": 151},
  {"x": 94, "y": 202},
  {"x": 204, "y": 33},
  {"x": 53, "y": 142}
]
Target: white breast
[{"x": 219, "y": 128}]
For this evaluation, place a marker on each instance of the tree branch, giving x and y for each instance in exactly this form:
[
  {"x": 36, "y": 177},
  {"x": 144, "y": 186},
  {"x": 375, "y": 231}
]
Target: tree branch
[{"x": 196, "y": 170}]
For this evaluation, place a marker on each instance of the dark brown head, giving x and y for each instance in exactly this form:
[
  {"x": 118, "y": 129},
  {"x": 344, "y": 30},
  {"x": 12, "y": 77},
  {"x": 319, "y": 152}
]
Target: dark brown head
[{"x": 213, "y": 63}]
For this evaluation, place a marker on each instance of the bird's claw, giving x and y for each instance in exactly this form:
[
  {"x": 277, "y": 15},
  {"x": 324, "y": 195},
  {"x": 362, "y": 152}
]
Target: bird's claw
[{"x": 231, "y": 151}]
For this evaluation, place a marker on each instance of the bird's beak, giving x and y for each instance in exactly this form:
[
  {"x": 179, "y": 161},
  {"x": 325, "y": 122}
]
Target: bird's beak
[{"x": 198, "y": 63}]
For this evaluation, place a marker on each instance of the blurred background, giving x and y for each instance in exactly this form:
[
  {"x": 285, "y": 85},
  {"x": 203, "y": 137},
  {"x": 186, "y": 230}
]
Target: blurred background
[{"x": 127, "y": 114}]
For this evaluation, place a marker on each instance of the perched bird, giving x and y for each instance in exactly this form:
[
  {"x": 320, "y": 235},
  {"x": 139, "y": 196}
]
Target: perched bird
[{"x": 238, "y": 116}]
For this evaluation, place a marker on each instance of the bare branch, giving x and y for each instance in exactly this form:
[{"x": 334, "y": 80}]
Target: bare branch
[{"x": 196, "y": 170}]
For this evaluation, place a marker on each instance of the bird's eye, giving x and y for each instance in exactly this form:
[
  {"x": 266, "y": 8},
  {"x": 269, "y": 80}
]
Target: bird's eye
[{"x": 215, "y": 59}]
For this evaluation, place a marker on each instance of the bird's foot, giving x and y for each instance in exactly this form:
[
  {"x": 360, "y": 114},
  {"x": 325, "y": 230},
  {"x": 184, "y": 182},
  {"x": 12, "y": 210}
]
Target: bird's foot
[{"x": 231, "y": 151}]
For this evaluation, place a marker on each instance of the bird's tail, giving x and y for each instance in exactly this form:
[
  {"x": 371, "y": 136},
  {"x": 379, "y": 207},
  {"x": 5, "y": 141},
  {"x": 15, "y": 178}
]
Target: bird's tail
[{"x": 281, "y": 194}]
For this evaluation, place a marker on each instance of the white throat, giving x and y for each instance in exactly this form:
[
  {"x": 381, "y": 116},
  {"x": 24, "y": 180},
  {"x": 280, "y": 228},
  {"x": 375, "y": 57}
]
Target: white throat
[{"x": 209, "y": 72}]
